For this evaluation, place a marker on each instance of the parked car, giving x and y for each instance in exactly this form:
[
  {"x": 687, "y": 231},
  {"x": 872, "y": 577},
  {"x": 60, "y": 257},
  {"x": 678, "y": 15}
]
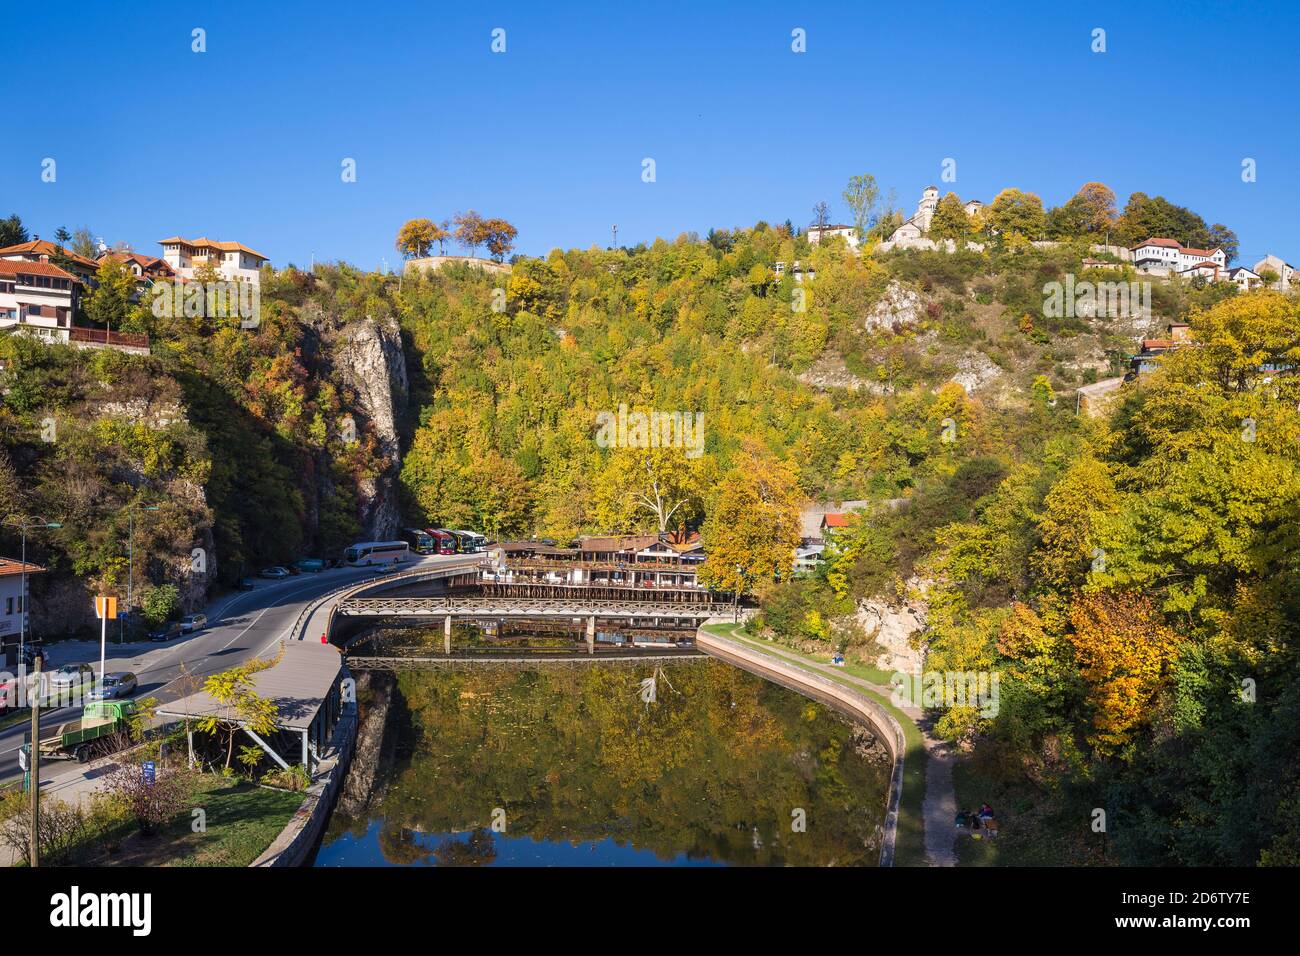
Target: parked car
[
  {"x": 167, "y": 632},
  {"x": 117, "y": 684},
  {"x": 313, "y": 565},
  {"x": 275, "y": 573},
  {"x": 73, "y": 675},
  {"x": 245, "y": 584},
  {"x": 193, "y": 622}
]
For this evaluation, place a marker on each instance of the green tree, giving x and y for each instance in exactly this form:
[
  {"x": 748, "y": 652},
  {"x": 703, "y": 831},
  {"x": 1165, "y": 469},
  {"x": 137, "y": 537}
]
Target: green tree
[
  {"x": 861, "y": 196},
  {"x": 110, "y": 301}
]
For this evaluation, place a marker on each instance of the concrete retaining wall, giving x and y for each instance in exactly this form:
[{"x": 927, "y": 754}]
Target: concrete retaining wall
[{"x": 832, "y": 694}]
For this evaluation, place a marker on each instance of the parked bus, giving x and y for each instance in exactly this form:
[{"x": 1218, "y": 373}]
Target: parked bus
[
  {"x": 446, "y": 540},
  {"x": 469, "y": 542},
  {"x": 376, "y": 552},
  {"x": 419, "y": 540}
]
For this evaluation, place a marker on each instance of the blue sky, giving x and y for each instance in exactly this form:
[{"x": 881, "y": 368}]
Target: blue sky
[{"x": 246, "y": 141}]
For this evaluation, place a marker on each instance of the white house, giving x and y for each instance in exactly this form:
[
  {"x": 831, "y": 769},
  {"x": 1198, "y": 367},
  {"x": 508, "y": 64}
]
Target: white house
[
  {"x": 1159, "y": 256},
  {"x": 234, "y": 260},
  {"x": 1245, "y": 278},
  {"x": 817, "y": 233},
  {"x": 1285, "y": 272},
  {"x": 13, "y": 601}
]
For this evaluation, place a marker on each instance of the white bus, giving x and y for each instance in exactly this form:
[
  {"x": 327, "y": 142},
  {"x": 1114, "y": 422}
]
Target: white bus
[{"x": 376, "y": 552}]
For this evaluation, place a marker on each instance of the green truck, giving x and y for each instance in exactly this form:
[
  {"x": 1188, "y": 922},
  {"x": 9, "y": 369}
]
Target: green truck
[{"x": 82, "y": 738}]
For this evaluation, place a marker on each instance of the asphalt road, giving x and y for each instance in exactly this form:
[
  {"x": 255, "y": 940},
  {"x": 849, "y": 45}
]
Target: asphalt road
[{"x": 240, "y": 626}]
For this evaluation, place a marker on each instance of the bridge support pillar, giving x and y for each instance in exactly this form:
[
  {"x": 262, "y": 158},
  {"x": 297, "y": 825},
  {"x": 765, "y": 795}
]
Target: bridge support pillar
[
  {"x": 591, "y": 634},
  {"x": 446, "y": 635}
]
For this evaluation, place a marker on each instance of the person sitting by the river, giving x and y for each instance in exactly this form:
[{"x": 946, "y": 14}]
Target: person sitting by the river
[
  {"x": 963, "y": 820},
  {"x": 986, "y": 812}
]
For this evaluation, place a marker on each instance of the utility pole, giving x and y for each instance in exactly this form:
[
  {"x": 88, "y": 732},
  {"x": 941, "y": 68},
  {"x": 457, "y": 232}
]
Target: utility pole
[
  {"x": 615, "y": 246},
  {"x": 34, "y": 761}
]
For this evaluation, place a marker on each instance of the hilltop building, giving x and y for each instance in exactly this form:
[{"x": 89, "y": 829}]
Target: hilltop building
[
  {"x": 1166, "y": 257},
  {"x": 1285, "y": 272},
  {"x": 849, "y": 234},
  {"x": 914, "y": 233},
  {"x": 233, "y": 260}
]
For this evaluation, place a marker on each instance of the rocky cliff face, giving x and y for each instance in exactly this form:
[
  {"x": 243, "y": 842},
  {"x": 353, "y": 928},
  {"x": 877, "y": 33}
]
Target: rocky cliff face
[
  {"x": 368, "y": 357},
  {"x": 896, "y": 627}
]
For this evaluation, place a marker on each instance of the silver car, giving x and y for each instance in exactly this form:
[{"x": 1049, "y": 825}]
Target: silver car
[{"x": 117, "y": 684}]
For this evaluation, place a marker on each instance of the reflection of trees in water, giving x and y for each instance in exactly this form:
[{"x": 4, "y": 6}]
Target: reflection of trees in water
[
  {"x": 475, "y": 850},
  {"x": 713, "y": 769},
  {"x": 402, "y": 847}
]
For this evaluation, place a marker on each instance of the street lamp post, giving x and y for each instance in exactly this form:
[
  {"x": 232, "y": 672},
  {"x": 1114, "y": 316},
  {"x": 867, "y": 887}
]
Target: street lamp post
[{"x": 24, "y": 523}]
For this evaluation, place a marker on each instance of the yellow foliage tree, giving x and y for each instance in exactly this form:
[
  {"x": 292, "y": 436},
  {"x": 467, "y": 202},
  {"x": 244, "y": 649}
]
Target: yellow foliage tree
[{"x": 1124, "y": 650}]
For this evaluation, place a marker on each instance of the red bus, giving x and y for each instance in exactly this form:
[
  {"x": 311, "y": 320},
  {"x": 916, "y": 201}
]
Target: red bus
[{"x": 445, "y": 540}]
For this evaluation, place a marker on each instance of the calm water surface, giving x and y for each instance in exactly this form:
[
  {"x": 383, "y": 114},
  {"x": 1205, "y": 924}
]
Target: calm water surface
[{"x": 572, "y": 766}]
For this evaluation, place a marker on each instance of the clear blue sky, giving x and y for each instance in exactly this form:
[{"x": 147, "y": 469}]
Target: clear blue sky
[{"x": 245, "y": 141}]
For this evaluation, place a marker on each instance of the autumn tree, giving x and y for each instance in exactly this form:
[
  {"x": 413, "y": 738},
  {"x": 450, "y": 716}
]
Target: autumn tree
[
  {"x": 471, "y": 231},
  {"x": 950, "y": 220},
  {"x": 416, "y": 238},
  {"x": 1124, "y": 650},
  {"x": 499, "y": 237},
  {"x": 658, "y": 488},
  {"x": 1016, "y": 215},
  {"x": 753, "y": 530},
  {"x": 1065, "y": 526}
]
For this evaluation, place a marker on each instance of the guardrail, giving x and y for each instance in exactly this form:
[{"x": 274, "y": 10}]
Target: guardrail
[{"x": 312, "y": 606}]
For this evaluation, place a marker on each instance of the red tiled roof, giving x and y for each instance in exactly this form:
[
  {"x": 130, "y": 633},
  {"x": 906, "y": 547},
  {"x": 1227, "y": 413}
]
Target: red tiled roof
[
  {"x": 15, "y": 267},
  {"x": 1167, "y": 243},
  {"x": 836, "y": 520},
  {"x": 12, "y": 566},
  {"x": 43, "y": 247},
  {"x": 205, "y": 243}
]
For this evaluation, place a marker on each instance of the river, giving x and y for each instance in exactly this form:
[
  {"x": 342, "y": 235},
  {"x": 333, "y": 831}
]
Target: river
[{"x": 590, "y": 765}]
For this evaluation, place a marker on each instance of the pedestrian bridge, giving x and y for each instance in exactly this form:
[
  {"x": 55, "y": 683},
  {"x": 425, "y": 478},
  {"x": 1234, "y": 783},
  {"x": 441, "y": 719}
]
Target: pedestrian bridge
[{"x": 496, "y": 607}]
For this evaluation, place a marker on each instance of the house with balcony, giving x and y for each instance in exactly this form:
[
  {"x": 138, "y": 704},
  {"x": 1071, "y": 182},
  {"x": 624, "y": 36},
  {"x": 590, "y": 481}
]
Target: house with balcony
[
  {"x": 234, "y": 261},
  {"x": 38, "y": 298}
]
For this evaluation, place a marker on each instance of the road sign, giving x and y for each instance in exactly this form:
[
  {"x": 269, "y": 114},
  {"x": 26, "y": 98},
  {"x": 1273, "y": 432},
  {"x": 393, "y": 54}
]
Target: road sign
[
  {"x": 150, "y": 772},
  {"x": 105, "y": 606}
]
